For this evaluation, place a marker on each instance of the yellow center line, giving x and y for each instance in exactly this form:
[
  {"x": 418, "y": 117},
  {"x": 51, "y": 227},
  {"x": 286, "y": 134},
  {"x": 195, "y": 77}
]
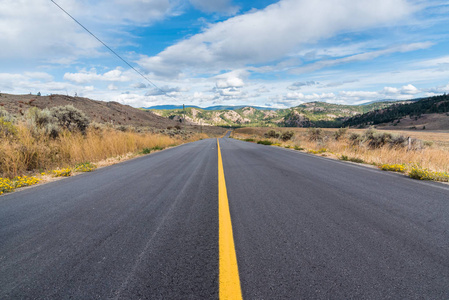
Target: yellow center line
[{"x": 229, "y": 280}]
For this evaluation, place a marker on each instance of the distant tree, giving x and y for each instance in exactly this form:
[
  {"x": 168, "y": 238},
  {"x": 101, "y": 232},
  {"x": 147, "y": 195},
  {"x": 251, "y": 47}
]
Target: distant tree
[{"x": 38, "y": 93}]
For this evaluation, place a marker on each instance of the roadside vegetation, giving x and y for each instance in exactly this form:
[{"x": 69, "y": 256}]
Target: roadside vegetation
[
  {"x": 61, "y": 141},
  {"x": 423, "y": 156}
]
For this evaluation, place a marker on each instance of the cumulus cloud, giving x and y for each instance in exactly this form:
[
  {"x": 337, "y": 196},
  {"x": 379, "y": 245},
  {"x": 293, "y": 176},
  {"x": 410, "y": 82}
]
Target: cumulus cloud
[
  {"x": 230, "y": 85},
  {"x": 39, "y": 30},
  {"x": 229, "y": 82},
  {"x": 408, "y": 89},
  {"x": 271, "y": 33},
  {"x": 92, "y": 75},
  {"x": 356, "y": 95}
]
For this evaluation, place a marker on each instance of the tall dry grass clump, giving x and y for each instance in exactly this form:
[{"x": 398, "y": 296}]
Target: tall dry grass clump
[
  {"x": 370, "y": 146},
  {"x": 61, "y": 137}
]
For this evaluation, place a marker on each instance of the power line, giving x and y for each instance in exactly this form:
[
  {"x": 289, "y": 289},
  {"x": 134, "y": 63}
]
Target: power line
[{"x": 110, "y": 49}]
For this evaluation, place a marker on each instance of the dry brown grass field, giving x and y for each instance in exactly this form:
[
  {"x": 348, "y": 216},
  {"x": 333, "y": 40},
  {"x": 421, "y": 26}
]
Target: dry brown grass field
[
  {"x": 28, "y": 153},
  {"x": 430, "y": 150}
]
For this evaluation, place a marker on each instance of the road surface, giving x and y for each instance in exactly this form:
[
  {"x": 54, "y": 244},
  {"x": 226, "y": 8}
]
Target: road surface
[{"x": 304, "y": 227}]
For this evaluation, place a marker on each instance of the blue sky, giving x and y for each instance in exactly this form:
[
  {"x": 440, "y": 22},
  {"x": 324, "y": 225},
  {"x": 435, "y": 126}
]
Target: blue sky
[{"x": 201, "y": 52}]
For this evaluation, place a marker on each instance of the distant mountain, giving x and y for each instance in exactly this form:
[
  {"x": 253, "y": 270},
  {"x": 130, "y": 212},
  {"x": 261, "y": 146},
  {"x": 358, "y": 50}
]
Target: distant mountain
[
  {"x": 227, "y": 107},
  {"x": 312, "y": 114},
  {"x": 388, "y": 101},
  {"x": 161, "y": 107},
  {"x": 217, "y": 107}
]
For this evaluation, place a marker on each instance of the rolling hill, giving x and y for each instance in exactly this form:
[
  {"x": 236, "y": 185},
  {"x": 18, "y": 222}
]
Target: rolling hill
[
  {"x": 432, "y": 109},
  {"x": 97, "y": 111},
  {"x": 318, "y": 114}
]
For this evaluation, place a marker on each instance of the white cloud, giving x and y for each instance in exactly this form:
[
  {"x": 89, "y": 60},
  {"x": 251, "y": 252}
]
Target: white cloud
[
  {"x": 271, "y": 33},
  {"x": 229, "y": 82},
  {"x": 409, "y": 90},
  {"x": 92, "y": 75},
  {"x": 360, "y": 57},
  {"x": 359, "y": 94},
  {"x": 390, "y": 91},
  {"x": 112, "y": 87},
  {"x": 40, "y": 30},
  {"x": 439, "y": 89}
]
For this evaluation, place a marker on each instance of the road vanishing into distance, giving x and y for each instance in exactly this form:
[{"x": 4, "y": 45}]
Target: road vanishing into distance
[{"x": 300, "y": 227}]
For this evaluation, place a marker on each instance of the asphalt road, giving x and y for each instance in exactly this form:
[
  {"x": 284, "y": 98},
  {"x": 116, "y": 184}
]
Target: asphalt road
[{"x": 305, "y": 227}]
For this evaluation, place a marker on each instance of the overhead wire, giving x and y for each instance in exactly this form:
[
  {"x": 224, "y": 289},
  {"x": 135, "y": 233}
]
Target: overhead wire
[{"x": 110, "y": 49}]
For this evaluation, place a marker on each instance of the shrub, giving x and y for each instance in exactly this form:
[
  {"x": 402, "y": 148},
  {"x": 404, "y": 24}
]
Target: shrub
[
  {"x": 70, "y": 118},
  {"x": 315, "y": 134},
  {"x": 298, "y": 148},
  {"x": 427, "y": 143},
  {"x": 248, "y": 140},
  {"x": 7, "y": 129},
  {"x": 6, "y": 116},
  {"x": 287, "y": 135},
  {"x": 145, "y": 151},
  {"x": 272, "y": 134},
  {"x": 264, "y": 142},
  {"x": 43, "y": 122},
  {"x": 341, "y": 132},
  {"x": 353, "y": 159},
  {"x": 376, "y": 139},
  {"x": 398, "y": 141},
  {"x": 355, "y": 138}
]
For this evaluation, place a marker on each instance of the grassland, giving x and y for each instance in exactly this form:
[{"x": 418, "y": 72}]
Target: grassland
[{"x": 428, "y": 152}]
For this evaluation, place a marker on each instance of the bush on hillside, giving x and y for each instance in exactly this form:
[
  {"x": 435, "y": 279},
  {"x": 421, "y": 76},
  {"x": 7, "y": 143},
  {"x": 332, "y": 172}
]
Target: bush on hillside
[
  {"x": 287, "y": 135},
  {"x": 272, "y": 134},
  {"x": 340, "y": 133},
  {"x": 315, "y": 134},
  {"x": 70, "y": 118}
]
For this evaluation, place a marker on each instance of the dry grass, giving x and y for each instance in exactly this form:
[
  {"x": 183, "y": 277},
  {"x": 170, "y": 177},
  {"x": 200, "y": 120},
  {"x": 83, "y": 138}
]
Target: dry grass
[
  {"x": 434, "y": 157},
  {"x": 25, "y": 153}
]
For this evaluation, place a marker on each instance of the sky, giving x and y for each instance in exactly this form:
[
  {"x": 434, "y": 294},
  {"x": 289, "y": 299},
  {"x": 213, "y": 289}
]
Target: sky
[{"x": 226, "y": 52}]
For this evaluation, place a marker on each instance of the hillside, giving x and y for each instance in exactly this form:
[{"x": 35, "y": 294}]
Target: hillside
[
  {"x": 97, "y": 111},
  {"x": 420, "y": 112},
  {"x": 317, "y": 114}
]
